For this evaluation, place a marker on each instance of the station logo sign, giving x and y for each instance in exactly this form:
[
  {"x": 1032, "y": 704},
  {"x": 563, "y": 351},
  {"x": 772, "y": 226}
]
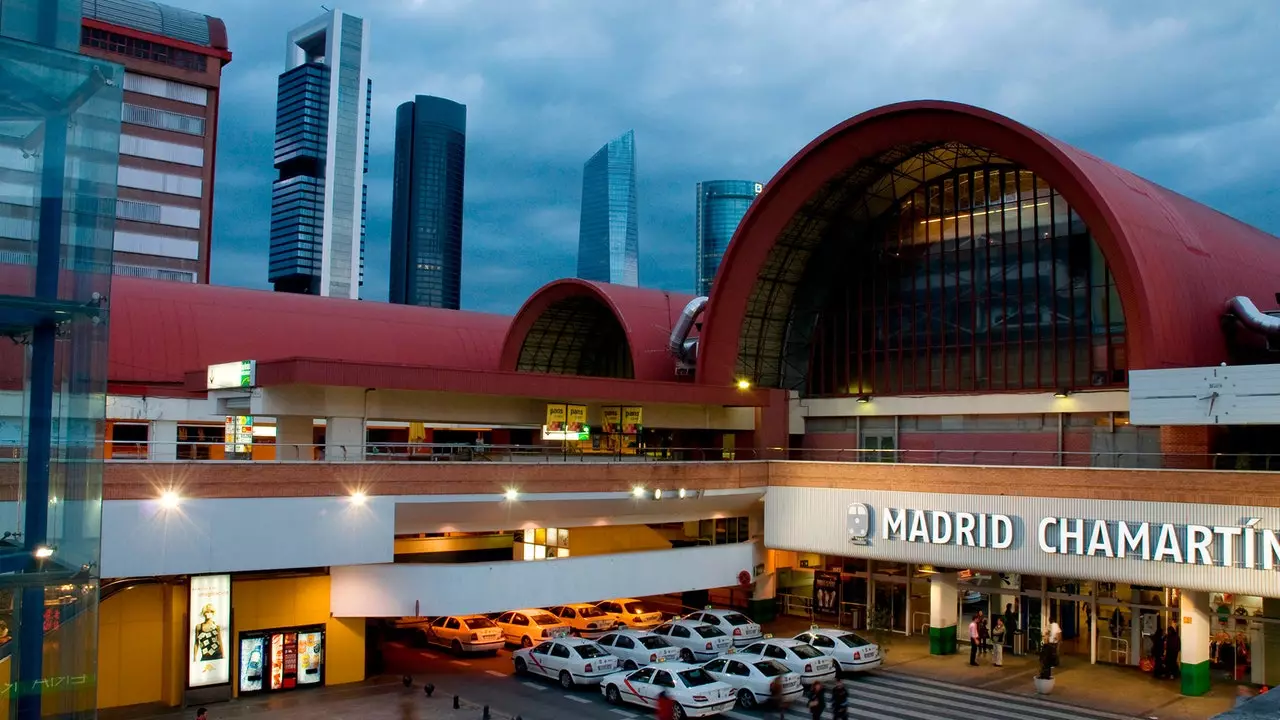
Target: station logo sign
[{"x": 859, "y": 523}]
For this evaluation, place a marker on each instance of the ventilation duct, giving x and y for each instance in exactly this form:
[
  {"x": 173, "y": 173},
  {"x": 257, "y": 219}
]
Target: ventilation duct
[
  {"x": 1251, "y": 317},
  {"x": 682, "y": 347}
]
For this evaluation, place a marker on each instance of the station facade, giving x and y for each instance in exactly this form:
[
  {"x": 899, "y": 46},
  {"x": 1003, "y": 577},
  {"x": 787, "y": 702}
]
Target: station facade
[{"x": 906, "y": 398}]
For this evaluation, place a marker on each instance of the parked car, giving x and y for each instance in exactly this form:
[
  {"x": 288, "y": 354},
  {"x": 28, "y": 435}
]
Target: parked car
[
  {"x": 465, "y": 633},
  {"x": 695, "y": 692},
  {"x": 802, "y": 658},
  {"x": 637, "y": 648},
  {"x": 753, "y": 678},
  {"x": 697, "y": 641},
  {"x": 587, "y": 621},
  {"x": 632, "y": 613},
  {"x": 735, "y": 624},
  {"x": 528, "y": 627},
  {"x": 568, "y": 660},
  {"x": 852, "y": 652}
]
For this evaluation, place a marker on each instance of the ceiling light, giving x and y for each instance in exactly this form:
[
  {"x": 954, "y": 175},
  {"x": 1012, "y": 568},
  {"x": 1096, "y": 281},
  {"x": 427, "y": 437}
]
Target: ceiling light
[
  {"x": 657, "y": 494},
  {"x": 864, "y": 399},
  {"x": 358, "y": 498},
  {"x": 44, "y": 552},
  {"x": 744, "y": 384},
  {"x": 637, "y": 492},
  {"x": 170, "y": 500},
  {"x": 682, "y": 493},
  {"x": 1062, "y": 394},
  {"x": 511, "y": 494}
]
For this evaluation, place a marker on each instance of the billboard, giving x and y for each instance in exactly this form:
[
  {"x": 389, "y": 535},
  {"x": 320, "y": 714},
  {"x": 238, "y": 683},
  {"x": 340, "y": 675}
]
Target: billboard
[
  {"x": 611, "y": 420},
  {"x": 208, "y": 631},
  {"x": 556, "y": 416},
  {"x": 233, "y": 375},
  {"x": 576, "y": 418},
  {"x": 632, "y": 418}
]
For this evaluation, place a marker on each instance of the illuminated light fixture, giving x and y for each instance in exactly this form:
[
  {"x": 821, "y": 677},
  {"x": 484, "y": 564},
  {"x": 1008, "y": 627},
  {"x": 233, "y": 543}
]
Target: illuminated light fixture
[
  {"x": 511, "y": 494},
  {"x": 863, "y": 399},
  {"x": 1025, "y": 204},
  {"x": 53, "y": 500},
  {"x": 682, "y": 494},
  {"x": 637, "y": 492},
  {"x": 657, "y": 494},
  {"x": 169, "y": 500},
  {"x": 1062, "y": 394},
  {"x": 44, "y": 552},
  {"x": 744, "y": 384},
  {"x": 358, "y": 497}
]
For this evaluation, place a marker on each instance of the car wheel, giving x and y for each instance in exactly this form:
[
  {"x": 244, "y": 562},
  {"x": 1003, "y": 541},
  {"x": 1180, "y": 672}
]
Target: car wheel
[
  {"x": 686, "y": 655},
  {"x": 746, "y": 699},
  {"x": 612, "y": 695},
  {"x": 457, "y": 647},
  {"x": 678, "y": 712},
  {"x": 566, "y": 680},
  {"x": 629, "y": 665},
  {"x": 526, "y": 642},
  {"x": 521, "y": 666}
]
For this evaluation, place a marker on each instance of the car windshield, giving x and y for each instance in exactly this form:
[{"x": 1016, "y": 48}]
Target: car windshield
[
  {"x": 771, "y": 667},
  {"x": 708, "y": 631},
  {"x": 805, "y": 652},
  {"x": 476, "y": 623},
  {"x": 589, "y": 612},
  {"x": 736, "y": 619},
  {"x": 653, "y": 642},
  {"x": 695, "y": 677},
  {"x": 852, "y": 640},
  {"x": 544, "y": 619},
  {"x": 589, "y": 651},
  {"x": 635, "y": 608}
]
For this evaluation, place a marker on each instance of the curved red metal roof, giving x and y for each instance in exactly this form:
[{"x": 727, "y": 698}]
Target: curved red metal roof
[
  {"x": 162, "y": 330},
  {"x": 1175, "y": 260},
  {"x": 646, "y": 316}
]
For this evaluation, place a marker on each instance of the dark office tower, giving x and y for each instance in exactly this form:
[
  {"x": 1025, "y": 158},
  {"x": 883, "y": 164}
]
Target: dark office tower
[
  {"x": 426, "y": 211},
  {"x": 721, "y": 205},
  {"x": 609, "y": 231}
]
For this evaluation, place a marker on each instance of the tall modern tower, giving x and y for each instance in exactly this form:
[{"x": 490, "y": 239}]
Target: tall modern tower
[
  {"x": 721, "y": 205},
  {"x": 321, "y": 157},
  {"x": 426, "y": 214},
  {"x": 609, "y": 231}
]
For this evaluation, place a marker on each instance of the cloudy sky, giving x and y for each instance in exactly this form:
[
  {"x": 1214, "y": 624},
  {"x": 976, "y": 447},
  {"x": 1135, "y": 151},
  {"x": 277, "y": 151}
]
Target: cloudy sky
[{"x": 1184, "y": 92}]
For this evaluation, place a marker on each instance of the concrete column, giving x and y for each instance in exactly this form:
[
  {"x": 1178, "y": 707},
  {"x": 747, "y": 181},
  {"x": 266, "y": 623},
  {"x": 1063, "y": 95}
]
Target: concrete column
[
  {"x": 1270, "y": 645},
  {"x": 944, "y": 613},
  {"x": 162, "y": 440},
  {"x": 344, "y": 439},
  {"x": 295, "y": 436},
  {"x": 1194, "y": 630}
]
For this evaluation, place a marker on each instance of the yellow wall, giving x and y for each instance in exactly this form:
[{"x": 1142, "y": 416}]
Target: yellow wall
[
  {"x": 615, "y": 539},
  {"x": 289, "y": 602},
  {"x": 131, "y": 647}
]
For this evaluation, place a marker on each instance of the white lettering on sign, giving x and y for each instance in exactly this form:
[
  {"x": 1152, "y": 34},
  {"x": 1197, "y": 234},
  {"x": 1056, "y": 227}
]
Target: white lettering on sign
[{"x": 935, "y": 527}]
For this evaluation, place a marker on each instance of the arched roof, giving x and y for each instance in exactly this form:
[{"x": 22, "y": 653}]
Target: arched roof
[
  {"x": 560, "y": 328},
  {"x": 162, "y": 330},
  {"x": 1175, "y": 261}
]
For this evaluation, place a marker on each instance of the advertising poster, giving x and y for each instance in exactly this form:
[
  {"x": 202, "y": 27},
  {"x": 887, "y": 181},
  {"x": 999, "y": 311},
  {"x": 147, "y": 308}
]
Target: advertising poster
[
  {"x": 310, "y": 655},
  {"x": 611, "y": 420},
  {"x": 556, "y": 417},
  {"x": 277, "y": 661},
  {"x": 576, "y": 418},
  {"x": 826, "y": 592},
  {"x": 251, "y": 664},
  {"x": 632, "y": 420},
  {"x": 290, "y": 660},
  {"x": 208, "y": 633}
]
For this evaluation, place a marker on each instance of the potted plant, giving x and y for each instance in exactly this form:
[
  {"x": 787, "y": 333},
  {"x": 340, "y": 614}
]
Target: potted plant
[{"x": 1044, "y": 678}]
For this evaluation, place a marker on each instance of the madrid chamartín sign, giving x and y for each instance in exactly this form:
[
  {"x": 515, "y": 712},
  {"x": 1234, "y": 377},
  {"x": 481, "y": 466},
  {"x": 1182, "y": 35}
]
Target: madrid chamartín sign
[{"x": 1245, "y": 545}]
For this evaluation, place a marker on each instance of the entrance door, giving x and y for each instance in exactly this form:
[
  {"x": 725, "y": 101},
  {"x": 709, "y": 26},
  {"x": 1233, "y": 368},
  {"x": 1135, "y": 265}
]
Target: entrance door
[{"x": 890, "y": 606}]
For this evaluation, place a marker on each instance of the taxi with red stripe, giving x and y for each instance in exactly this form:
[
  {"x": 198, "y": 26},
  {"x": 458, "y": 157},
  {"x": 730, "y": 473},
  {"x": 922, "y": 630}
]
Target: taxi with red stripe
[
  {"x": 695, "y": 692},
  {"x": 571, "y": 661}
]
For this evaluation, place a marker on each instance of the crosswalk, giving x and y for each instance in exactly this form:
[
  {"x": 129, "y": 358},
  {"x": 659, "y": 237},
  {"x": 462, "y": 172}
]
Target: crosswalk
[{"x": 892, "y": 696}]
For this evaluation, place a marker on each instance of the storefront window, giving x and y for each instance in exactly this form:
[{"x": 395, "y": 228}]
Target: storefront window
[{"x": 542, "y": 543}]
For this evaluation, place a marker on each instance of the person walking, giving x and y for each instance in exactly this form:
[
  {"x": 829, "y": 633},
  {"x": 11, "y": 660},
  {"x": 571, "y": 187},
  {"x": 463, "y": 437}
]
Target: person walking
[
  {"x": 1172, "y": 649},
  {"x": 817, "y": 701},
  {"x": 1010, "y": 622},
  {"x": 1157, "y": 654},
  {"x": 1054, "y": 638},
  {"x": 997, "y": 643},
  {"x": 839, "y": 702},
  {"x": 666, "y": 707},
  {"x": 775, "y": 692},
  {"x": 973, "y": 641},
  {"x": 984, "y": 635},
  {"x": 202, "y": 714}
]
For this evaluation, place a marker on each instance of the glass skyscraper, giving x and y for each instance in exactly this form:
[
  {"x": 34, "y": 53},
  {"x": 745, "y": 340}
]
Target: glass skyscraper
[
  {"x": 318, "y": 201},
  {"x": 720, "y": 207},
  {"x": 426, "y": 215},
  {"x": 59, "y": 154},
  {"x": 609, "y": 229}
]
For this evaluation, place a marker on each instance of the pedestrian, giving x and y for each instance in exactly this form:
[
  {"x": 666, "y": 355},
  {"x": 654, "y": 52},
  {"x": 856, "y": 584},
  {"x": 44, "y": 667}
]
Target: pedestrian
[
  {"x": 1054, "y": 638},
  {"x": 817, "y": 701},
  {"x": 997, "y": 643},
  {"x": 984, "y": 634},
  {"x": 1010, "y": 622},
  {"x": 973, "y": 641},
  {"x": 666, "y": 707},
  {"x": 839, "y": 702},
  {"x": 202, "y": 714},
  {"x": 1157, "y": 654},
  {"x": 1172, "y": 648},
  {"x": 775, "y": 691}
]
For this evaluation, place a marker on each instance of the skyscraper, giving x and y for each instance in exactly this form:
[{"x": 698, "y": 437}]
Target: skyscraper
[
  {"x": 720, "y": 207},
  {"x": 609, "y": 231},
  {"x": 321, "y": 157},
  {"x": 426, "y": 215}
]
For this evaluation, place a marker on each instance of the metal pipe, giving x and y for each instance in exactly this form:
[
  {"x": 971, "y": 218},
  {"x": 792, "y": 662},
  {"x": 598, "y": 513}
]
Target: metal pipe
[
  {"x": 683, "y": 349},
  {"x": 1251, "y": 317}
]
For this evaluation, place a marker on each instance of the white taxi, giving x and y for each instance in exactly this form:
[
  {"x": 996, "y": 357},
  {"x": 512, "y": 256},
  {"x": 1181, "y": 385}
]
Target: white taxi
[
  {"x": 737, "y": 625},
  {"x": 632, "y": 613},
  {"x": 852, "y": 652},
  {"x": 465, "y": 633},
  {"x": 527, "y": 627},
  {"x": 586, "y": 620},
  {"x": 695, "y": 692},
  {"x": 637, "y": 648},
  {"x": 802, "y": 658},
  {"x": 569, "y": 660},
  {"x": 696, "y": 640},
  {"x": 753, "y": 678}
]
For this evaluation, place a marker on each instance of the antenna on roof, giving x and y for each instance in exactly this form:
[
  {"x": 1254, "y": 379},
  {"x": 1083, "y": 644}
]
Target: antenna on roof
[{"x": 322, "y": 7}]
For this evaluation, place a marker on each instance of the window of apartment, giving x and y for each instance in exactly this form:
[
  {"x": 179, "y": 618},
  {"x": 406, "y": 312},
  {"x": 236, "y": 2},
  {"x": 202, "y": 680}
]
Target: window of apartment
[
  {"x": 147, "y": 244},
  {"x": 159, "y": 87},
  {"x": 194, "y": 441},
  {"x": 142, "y": 49},
  {"x": 722, "y": 531},
  {"x": 129, "y": 440},
  {"x": 162, "y": 119},
  {"x": 155, "y": 213},
  {"x": 170, "y": 183},
  {"x": 142, "y": 271},
  {"x": 542, "y": 543},
  {"x": 161, "y": 150}
]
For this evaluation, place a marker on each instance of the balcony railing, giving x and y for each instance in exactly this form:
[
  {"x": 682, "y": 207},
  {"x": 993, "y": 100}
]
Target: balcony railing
[{"x": 425, "y": 452}]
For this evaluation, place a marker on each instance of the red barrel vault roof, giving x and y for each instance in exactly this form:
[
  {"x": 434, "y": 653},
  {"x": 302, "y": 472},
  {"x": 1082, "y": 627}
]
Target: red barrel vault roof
[{"x": 1175, "y": 260}]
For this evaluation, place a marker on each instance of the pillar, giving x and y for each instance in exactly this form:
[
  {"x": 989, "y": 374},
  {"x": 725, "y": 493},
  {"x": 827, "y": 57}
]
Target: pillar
[
  {"x": 162, "y": 440},
  {"x": 295, "y": 438},
  {"x": 1194, "y": 630},
  {"x": 344, "y": 439},
  {"x": 1270, "y": 644},
  {"x": 944, "y": 612}
]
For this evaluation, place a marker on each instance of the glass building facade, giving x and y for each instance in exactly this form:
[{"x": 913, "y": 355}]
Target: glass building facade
[
  {"x": 426, "y": 215},
  {"x": 720, "y": 207},
  {"x": 609, "y": 229},
  {"x": 59, "y": 152},
  {"x": 319, "y": 199}
]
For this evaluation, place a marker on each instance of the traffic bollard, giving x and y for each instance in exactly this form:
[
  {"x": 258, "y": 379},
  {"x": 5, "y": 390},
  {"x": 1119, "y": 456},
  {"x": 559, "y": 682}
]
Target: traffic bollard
[
  {"x": 429, "y": 688},
  {"x": 486, "y": 713},
  {"x": 455, "y": 702},
  {"x": 407, "y": 680}
]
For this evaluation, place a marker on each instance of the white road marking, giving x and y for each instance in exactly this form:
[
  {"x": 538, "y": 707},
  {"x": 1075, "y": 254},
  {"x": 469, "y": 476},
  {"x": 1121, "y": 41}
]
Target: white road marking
[
  {"x": 496, "y": 673},
  {"x": 463, "y": 663},
  {"x": 534, "y": 685},
  {"x": 577, "y": 698},
  {"x": 629, "y": 714}
]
